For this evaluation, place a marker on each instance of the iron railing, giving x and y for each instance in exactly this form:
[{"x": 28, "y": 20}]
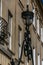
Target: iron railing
[{"x": 3, "y": 30}]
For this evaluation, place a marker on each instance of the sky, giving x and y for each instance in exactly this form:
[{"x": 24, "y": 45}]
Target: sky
[{"x": 42, "y": 1}]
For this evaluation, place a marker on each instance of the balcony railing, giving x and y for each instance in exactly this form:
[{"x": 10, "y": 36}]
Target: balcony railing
[{"x": 3, "y": 29}]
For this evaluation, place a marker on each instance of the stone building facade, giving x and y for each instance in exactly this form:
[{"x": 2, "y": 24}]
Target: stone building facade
[{"x": 10, "y": 12}]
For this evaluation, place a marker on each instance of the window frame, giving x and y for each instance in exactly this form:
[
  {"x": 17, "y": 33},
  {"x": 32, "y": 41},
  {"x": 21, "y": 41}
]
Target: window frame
[
  {"x": 19, "y": 41},
  {"x": 10, "y": 33}
]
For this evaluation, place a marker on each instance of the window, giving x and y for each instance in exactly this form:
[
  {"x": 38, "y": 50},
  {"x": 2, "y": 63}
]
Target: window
[
  {"x": 10, "y": 28},
  {"x": 42, "y": 34},
  {"x": 38, "y": 27},
  {"x": 38, "y": 59},
  {"x": 19, "y": 41},
  {"x": 34, "y": 56},
  {"x": 34, "y": 18}
]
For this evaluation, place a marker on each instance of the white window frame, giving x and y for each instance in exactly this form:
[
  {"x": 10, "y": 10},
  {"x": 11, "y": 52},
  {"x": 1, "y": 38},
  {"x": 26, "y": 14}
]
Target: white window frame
[
  {"x": 42, "y": 34},
  {"x": 10, "y": 30},
  {"x": 34, "y": 56},
  {"x": 10, "y": 38},
  {"x": 38, "y": 59},
  {"x": 38, "y": 27}
]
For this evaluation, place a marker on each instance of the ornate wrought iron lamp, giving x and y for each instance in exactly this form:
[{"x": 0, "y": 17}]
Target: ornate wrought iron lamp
[{"x": 28, "y": 16}]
